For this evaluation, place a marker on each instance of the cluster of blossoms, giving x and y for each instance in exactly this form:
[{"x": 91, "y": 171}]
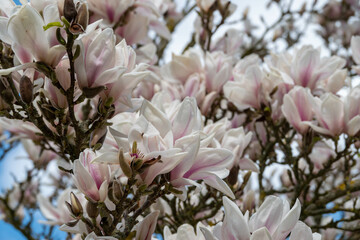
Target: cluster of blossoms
[{"x": 131, "y": 145}]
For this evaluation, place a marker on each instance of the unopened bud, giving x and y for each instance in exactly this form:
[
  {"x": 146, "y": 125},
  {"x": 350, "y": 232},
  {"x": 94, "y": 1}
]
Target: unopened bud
[
  {"x": 117, "y": 192},
  {"x": 81, "y": 21},
  {"x": 92, "y": 92},
  {"x": 233, "y": 175},
  {"x": 26, "y": 89},
  {"x": 125, "y": 167},
  {"x": 98, "y": 136},
  {"x": 8, "y": 96},
  {"x": 69, "y": 10},
  {"x": 75, "y": 207},
  {"x": 92, "y": 209}
]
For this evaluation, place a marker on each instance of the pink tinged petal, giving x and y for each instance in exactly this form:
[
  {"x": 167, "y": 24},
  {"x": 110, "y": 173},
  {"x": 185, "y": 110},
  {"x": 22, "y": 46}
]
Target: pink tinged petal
[
  {"x": 353, "y": 126},
  {"x": 107, "y": 157},
  {"x": 146, "y": 227},
  {"x": 269, "y": 215},
  {"x": 187, "y": 120},
  {"x": 216, "y": 182},
  {"x": 332, "y": 110},
  {"x": 301, "y": 232},
  {"x": 288, "y": 222},
  {"x": 207, "y": 234},
  {"x": 234, "y": 226},
  {"x": 25, "y": 28},
  {"x": 305, "y": 65},
  {"x": 190, "y": 145},
  {"x": 355, "y": 48},
  {"x": 248, "y": 164},
  {"x": 84, "y": 182},
  {"x": 160, "y": 28},
  {"x": 336, "y": 81},
  {"x": 210, "y": 160},
  {"x": 4, "y": 35},
  {"x": 261, "y": 234},
  {"x": 169, "y": 160},
  {"x": 23, "y": 54},
  {"x": 156, "y": 117},
  {"x": 103, "y": 191},
  {"x": 100, "y": 56},
  {"x": 221, "y": 78},
  {"x": 208, "y": 101}
]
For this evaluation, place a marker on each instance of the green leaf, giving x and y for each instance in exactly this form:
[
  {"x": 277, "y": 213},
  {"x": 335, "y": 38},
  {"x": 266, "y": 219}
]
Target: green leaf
[
  {"x": 60, "y": 39},
  {"x": 52, "y": 24},
  {"x": 77, "y": 52}
]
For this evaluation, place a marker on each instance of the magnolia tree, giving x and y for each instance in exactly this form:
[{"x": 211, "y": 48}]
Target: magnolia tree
[{"x": 245, "y": 135}]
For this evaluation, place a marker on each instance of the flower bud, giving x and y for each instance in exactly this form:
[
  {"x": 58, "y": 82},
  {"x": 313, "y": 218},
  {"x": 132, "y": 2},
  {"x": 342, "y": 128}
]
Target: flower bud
[
  {"x": 92, "y": 209},
  {"x": 233, "y": 175},
  {"x": 26, "y": 89},
  {"x": 69, "y": 10},
  {"x": 98, "y": 136},
  {"x": 125, "y": 167},
  {"x": 75, "y": 207},
  {"x": 81, "y": 21}
]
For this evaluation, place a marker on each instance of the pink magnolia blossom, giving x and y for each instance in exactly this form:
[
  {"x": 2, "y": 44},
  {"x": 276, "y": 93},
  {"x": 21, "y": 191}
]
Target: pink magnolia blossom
[
  {"x": 297, "y": 108},
  {"x": 329, "y": 112},
  {"x": 274, "y": 220},
  {"x": 28, "y": 39},
  {"x": 305, "y": 68},
  {"x": 245, "y": 91},
  {"x": 236, "y": 140},
  {"x": 92, "y": 179}
]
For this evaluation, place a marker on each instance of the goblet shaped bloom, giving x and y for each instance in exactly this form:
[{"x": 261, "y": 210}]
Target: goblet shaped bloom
[
  {"x": 274, "y": 220},
  {"x": 27, "y": 37},
  {"x": 91, "y": 178},
  {"x": 297, "y": 108}
]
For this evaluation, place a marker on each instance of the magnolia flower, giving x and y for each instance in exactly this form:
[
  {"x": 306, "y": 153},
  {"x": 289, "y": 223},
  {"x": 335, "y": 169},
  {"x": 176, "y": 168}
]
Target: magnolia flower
[
  {"x": 110, "y": 11},
  {"x": 245, "y": 91},
  {"x": 274, "y": 220},
  {"x": 91, "y": 178},
  {"x": 103, "y": 64},
  {"x": 218, "y": 68},
  {"x": 236, "y": 141},
  {"x": 329, "y": 112},
  {"x": 297, "y": 108},
  {"x": 145, "y": 16},
  {"x": 173, "y": 137},
  {"x": 305, "y": 68},
  {"x": 55, "y": 215},
  {"x": 352, "y": 111},
  {"x": 28, "y": 39}
]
